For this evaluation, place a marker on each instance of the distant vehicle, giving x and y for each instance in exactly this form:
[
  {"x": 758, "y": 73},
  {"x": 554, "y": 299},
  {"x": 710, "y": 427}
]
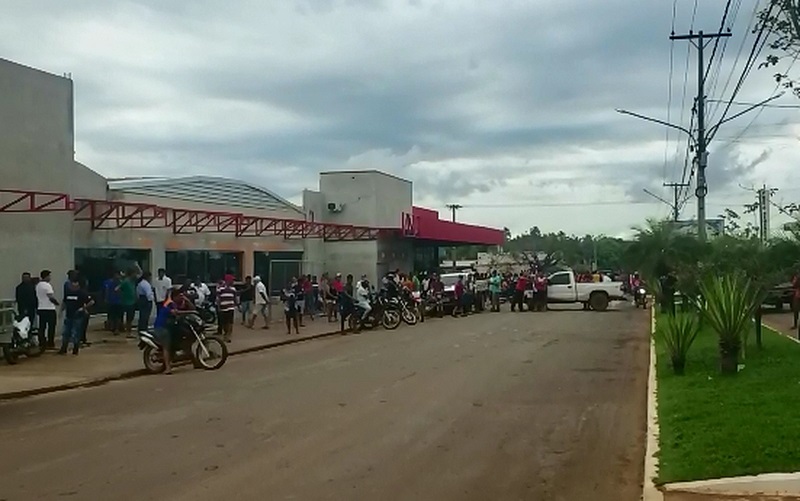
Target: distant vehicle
[
  {"x": 562, "y": 287},
  {"x": 780, "y": 295},
  {"x": 479, "y": 288}
]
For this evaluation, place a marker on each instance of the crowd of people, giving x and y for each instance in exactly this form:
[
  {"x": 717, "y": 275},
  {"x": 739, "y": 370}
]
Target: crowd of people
[{"x": 136, "y": 297}]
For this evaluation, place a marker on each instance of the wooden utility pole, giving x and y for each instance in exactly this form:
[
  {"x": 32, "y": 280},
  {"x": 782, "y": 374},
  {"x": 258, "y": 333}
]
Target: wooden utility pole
[
  {"x": 453, "y": 208},
  {"x": 700, "y": 138}
]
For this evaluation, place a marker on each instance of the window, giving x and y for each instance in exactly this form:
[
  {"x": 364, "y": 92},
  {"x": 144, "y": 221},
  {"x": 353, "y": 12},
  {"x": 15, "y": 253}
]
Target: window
[
  {"x": 277, "y": 268},
  {"x": 560, "y": 279},
  {"x": 97, "y": 265},
  {"x": 210, "y": 266}
]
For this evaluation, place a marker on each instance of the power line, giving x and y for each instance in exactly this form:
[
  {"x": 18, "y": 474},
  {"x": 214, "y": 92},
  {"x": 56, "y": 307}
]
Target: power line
[
  {"x": 716, "y": 40},
  {"x": 751, "y": 59},
  {"x": 669, "y": 90},
  {"x": 738, "y": 55}
]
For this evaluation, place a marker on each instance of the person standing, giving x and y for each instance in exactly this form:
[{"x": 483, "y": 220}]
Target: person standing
[
  {"x": 795, "y": 299},
  {"x": 519, "y": 292},
  {"x": 246, "y": 296},
  {"x": 459, "y": 293},
  {"x": 226, "y": 308},
  {"x": 540, "y": 282},
  {"x": 113, "y": 299},
  {"x": 146, "y": 297},
  {"x": 127, "y": 295},
  {"x": 346, "y": 301},
  {"x": 25, "y": 295},
  {"x": 495, "y": 284},
  {"x": 336, "y": 289},
  {"x": 310, "y": 299},
  {"x": 46, "y": 308},
  {"x": 261, "y": 302},
  {"x": 299, "y": 296},
  {"x": 162, "y": 286},
  {"x": 290, "y": 306},
  {"x": 76, "y": 310}
]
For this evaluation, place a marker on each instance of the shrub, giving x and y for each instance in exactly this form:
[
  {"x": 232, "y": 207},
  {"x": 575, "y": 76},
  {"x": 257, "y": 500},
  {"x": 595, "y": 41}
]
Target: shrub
[
  {"x": 677, "y": 333},
  {"x": 730, "y": 301}
]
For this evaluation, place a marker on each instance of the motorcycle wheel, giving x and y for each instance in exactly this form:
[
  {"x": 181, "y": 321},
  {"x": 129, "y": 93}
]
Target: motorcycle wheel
[
  {"x": 208, "y": 316},
  {"x": 409, "y": 317},
  {"x": 11, "y": 357},
  {"x": 391, "y": 319},
  {"x": 213, "y": 356},
  {"x": 153, "y": 361},
  {"x": 36, "y": 348}
]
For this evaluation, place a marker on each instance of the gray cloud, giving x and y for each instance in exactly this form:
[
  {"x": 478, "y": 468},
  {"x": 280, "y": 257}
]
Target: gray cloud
[{"x": 467, "y": 99}]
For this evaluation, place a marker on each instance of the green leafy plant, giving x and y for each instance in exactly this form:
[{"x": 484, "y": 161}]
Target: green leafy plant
[
  {"x": 677, "y": 333},
  {"x": 729, "y": 302}
]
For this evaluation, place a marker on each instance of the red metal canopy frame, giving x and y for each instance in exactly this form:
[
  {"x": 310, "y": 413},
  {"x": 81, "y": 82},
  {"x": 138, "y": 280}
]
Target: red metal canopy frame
[{"x": 112, "y": 215}]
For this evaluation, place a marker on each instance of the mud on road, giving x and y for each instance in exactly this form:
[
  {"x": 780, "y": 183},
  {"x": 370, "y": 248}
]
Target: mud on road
[{"x": 500, "y": 406}]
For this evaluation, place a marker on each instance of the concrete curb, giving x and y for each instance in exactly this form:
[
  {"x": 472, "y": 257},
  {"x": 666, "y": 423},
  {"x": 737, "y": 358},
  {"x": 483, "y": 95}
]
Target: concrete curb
[
  {"x": 649, "y": 490},
  {"x": 99, "y": 381}
]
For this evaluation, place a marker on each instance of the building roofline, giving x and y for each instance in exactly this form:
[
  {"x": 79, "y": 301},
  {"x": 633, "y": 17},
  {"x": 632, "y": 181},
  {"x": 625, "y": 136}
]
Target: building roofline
[
  {"x": 31, "y": 68},
  {"x": 144, "y": 182},
  {"x": 365, "y": 171}
]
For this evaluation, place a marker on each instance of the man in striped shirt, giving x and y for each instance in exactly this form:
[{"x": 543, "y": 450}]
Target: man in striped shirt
[{"x": 226, "y": 307}]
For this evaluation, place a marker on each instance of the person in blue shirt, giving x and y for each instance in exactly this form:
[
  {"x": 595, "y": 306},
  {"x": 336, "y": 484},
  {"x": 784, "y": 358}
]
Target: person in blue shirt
[
  {"x": 163, "y": 328},
  {"x": 113, "y": 303}
]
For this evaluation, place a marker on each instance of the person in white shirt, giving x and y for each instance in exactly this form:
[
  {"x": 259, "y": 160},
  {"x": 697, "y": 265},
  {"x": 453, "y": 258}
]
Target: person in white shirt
[
  {"x": 362, "y": 298},
  {"x": 202, "y": 291},
  {"x": 46, "y": 308},
  {"x": 162, "y": 286},
  {"x": 261, "y": 301}
]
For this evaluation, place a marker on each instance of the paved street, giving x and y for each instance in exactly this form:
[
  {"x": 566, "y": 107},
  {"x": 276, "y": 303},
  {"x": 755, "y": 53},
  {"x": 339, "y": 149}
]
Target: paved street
[{"x": 492, "y": 407}]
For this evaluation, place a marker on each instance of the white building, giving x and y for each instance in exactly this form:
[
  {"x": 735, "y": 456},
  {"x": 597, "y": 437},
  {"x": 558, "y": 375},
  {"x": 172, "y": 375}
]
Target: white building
[{"x": 58, "y": 214}]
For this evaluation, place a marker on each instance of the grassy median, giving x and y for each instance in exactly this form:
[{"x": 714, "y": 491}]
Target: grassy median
[{"x": 721, "y": 426}]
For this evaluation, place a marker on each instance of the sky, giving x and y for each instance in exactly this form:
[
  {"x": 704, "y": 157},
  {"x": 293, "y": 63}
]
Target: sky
[{"x": 504, "y": 107}]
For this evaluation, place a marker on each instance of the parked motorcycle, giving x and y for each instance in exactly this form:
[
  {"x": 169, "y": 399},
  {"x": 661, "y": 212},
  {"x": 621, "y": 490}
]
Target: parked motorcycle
[
  {"x": 407, "y": 305},
  {"x": 208, "y": 312},
  {"x": 22, "y": 339},
  {"x": 384, "y": 312},
  {"x": 189, "y": 344}
]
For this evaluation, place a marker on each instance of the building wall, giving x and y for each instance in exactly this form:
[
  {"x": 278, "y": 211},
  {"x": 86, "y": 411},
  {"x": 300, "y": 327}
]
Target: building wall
[
  {"x": 161, "y": 240},
  {"x": 368, "y": 198},
  {"x": 36, "y": 153}
]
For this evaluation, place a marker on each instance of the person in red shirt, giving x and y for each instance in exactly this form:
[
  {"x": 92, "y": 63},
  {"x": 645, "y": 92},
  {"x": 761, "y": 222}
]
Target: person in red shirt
[
  {"x": 540, "y": 282},
  {"x": 519, "y": 292},
  {"x": 795, "y": 299}
]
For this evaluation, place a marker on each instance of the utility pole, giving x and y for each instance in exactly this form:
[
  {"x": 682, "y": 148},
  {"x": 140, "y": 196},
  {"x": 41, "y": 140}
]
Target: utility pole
[
  {"x": 764, "y": 213},
  {"x": 675, "y": 190},
  {"x": 453, "y": 208},
  {"x": 702, "y": 155}
]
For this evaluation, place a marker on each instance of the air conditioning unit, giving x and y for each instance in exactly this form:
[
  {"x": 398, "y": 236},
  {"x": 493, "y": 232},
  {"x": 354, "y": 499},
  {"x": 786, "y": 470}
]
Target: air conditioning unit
[{"x": 334, "y": 207}]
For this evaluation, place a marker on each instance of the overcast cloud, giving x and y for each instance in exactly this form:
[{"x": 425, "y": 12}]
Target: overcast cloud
[{"x": 477, "y": 102}]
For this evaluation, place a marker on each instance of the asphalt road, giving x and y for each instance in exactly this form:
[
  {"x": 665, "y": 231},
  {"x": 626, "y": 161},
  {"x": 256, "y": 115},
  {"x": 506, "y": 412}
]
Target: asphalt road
[{"x": 500, "y": 406}]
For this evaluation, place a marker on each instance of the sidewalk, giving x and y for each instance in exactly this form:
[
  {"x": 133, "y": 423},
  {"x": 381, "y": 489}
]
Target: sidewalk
[
  {"x": 781, "y": 321},
  {"x": 115, "y": 357}
]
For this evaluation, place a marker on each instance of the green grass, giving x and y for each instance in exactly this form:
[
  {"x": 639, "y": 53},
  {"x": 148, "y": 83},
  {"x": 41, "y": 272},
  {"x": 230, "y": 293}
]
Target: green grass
[{"x": 713, "y": 426}]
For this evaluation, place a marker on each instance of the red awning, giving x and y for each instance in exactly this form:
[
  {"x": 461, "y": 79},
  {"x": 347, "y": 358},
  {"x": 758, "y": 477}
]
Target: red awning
[{"x": 425, "y": 224}]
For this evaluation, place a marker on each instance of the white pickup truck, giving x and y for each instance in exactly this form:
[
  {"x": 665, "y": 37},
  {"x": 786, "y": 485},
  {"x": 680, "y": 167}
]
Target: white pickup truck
[{"x": 563, "y": 288}]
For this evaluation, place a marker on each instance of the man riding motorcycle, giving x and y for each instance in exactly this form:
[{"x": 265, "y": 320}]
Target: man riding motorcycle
[{"x": 362, "y": 298}]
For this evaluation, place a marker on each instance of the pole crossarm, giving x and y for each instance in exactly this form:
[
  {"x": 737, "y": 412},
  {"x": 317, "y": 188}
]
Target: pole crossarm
[{"x": 656, "y": 120}]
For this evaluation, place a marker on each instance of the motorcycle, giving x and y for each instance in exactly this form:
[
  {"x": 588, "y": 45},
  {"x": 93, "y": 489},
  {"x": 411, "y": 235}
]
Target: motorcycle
[
  {"x": 384, "y": 312},
  {"x": 407, "y": 305},
  {"x": 640, "y": 297},
  {"x": 208, "y": 312},
  {"x": 22, "y": 340},
  {"x": 189, "y": 344},
  {"x": 433, "y": 305}
]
